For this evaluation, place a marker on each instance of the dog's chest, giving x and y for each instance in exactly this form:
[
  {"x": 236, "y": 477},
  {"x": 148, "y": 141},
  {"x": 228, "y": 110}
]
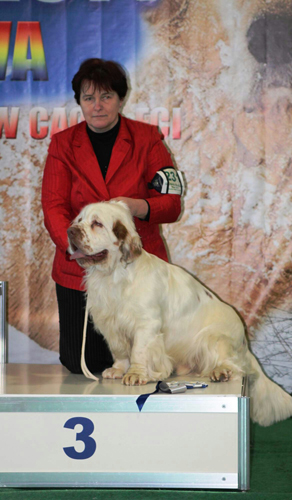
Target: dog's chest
[{"x": 110, "y": 308}]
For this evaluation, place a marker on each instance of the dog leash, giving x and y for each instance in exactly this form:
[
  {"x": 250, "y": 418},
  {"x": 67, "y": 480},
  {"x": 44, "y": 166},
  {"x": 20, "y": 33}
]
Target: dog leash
[
  {"x": 171, "y": 388},
  {"x": 84, "y": 368}
]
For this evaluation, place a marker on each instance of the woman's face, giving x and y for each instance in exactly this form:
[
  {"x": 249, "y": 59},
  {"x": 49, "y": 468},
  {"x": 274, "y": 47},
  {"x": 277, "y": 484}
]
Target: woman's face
[{"x": 100, "y": 107}]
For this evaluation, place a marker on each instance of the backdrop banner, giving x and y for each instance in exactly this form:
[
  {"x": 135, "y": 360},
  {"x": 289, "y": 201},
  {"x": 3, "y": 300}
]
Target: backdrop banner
[{"x": 215, "y": 76}]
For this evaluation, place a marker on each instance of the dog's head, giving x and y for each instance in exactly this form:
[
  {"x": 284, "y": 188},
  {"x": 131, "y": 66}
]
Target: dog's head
[{"x": 102, "y": 235}]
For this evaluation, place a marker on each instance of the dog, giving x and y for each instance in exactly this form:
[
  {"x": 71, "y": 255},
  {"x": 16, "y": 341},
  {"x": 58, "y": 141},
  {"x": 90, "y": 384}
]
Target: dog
[{"x": 157, "y": 318}]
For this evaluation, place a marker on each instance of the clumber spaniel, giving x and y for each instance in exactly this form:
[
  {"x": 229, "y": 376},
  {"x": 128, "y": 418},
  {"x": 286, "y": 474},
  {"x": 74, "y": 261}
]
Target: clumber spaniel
[{"x": 157, "y": 318}]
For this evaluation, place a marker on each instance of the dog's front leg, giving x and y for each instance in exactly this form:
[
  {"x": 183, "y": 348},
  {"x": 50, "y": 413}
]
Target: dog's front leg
[
  {"x": 118, "y": 369},
  {"x": 149, "y": 359},
  {"x": 138, "y": 373}
]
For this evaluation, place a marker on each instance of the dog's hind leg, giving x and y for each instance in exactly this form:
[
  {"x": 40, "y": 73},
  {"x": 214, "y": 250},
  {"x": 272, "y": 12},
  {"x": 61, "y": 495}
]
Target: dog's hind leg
[
  {"x": 219, "y": 356},
  {"x": 223, "y": 370}
]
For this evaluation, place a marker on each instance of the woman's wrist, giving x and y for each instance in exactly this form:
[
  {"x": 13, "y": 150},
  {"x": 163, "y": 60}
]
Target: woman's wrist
[{"x": 139, "y": 208}]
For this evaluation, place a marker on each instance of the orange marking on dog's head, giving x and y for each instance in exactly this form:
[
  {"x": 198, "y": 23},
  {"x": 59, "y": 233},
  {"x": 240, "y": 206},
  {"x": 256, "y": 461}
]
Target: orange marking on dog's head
[{"x": 120, "y": 231}]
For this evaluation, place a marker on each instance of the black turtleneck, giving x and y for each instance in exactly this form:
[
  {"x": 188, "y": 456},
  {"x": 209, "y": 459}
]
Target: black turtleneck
[{"x": 103, "y": 143}]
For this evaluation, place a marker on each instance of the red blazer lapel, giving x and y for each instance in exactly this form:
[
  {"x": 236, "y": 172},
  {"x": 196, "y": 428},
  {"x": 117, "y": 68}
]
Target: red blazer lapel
[
  {"x": 121, "y": 147},
  {"x": 87, "y": 162}
]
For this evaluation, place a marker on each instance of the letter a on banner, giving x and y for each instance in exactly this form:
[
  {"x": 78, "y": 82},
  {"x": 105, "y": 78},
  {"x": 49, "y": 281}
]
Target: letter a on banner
[{"x": 29, "y": 39}]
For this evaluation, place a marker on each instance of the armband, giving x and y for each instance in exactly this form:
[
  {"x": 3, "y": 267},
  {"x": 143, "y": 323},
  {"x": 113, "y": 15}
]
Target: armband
[{"x": 168, "y": 180}]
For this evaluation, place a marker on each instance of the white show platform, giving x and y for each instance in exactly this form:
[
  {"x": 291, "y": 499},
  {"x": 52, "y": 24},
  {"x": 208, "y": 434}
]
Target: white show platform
[{"x": 62, "y": 430}]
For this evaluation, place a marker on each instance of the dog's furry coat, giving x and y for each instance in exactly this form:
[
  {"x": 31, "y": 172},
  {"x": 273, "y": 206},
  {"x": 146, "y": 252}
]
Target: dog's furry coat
[{"x": 157, "y": 318}]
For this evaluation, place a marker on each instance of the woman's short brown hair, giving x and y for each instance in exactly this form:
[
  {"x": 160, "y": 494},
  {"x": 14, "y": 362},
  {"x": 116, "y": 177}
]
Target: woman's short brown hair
[{"x": 106, "y": 75}]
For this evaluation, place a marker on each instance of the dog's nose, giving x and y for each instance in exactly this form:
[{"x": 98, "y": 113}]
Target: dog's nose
[
  {"x": 72, "y": 231},
  {"x": 270, "y": 39}
]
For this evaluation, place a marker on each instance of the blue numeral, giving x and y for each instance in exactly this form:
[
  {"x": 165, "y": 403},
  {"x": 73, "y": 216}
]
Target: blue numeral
[{"x": 89, "y": 443}]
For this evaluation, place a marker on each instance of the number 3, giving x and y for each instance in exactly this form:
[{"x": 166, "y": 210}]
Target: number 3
[{"x": 89, "y": 443}]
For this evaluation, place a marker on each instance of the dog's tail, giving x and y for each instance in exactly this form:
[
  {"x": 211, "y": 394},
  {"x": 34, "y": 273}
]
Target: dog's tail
[{"x": 269, "y": 402}]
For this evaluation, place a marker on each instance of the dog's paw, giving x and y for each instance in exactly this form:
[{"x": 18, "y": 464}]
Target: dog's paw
[
  {"x": 220, "y": 375},
  {"x": 112, "y": 373},
  {"x": 135, "y": 379}
]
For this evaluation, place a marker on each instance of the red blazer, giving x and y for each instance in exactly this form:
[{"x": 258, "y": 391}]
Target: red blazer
[{"x": 72, "y": 179}]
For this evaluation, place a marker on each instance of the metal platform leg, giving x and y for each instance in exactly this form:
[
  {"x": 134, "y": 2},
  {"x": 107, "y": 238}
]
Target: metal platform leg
[
  {"x": 243, "y": 443},
  {"x": 4, "y": 323}
]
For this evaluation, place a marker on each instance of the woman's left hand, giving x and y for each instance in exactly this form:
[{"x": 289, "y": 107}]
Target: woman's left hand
[{"x": 139, "y": 208}]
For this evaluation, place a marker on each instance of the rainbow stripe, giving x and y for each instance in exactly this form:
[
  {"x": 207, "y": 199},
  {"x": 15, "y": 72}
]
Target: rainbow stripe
[
  {"x": 5, "y": 31},
  {"x": 29, "y": 37}
]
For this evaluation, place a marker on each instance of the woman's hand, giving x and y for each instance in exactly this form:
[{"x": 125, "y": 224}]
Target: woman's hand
[{"x": 139, "y": 208}]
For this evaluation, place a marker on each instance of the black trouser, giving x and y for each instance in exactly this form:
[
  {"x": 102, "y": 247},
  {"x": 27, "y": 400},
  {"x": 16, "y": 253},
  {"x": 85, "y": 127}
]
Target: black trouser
[{"x": 71, "y": 305}]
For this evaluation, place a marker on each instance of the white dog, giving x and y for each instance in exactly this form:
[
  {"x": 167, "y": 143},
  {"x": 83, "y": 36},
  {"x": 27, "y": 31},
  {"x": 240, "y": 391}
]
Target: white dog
[{"x": 157, "y": 318}]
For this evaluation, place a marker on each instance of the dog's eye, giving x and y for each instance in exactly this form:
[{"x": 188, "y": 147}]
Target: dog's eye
[{"x": 95, "y": 223}]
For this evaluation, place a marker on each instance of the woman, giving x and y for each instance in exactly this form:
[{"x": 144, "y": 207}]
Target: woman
[{"x": 107, "y": 156}]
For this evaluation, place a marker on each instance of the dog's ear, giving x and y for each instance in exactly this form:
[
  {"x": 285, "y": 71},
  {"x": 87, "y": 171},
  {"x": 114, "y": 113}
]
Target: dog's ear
[{"x": 129, "y": 242}]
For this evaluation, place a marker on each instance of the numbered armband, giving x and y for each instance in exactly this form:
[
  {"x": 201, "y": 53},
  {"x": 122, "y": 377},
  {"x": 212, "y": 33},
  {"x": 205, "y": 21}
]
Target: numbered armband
[{"x": 168, "y": 180}]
